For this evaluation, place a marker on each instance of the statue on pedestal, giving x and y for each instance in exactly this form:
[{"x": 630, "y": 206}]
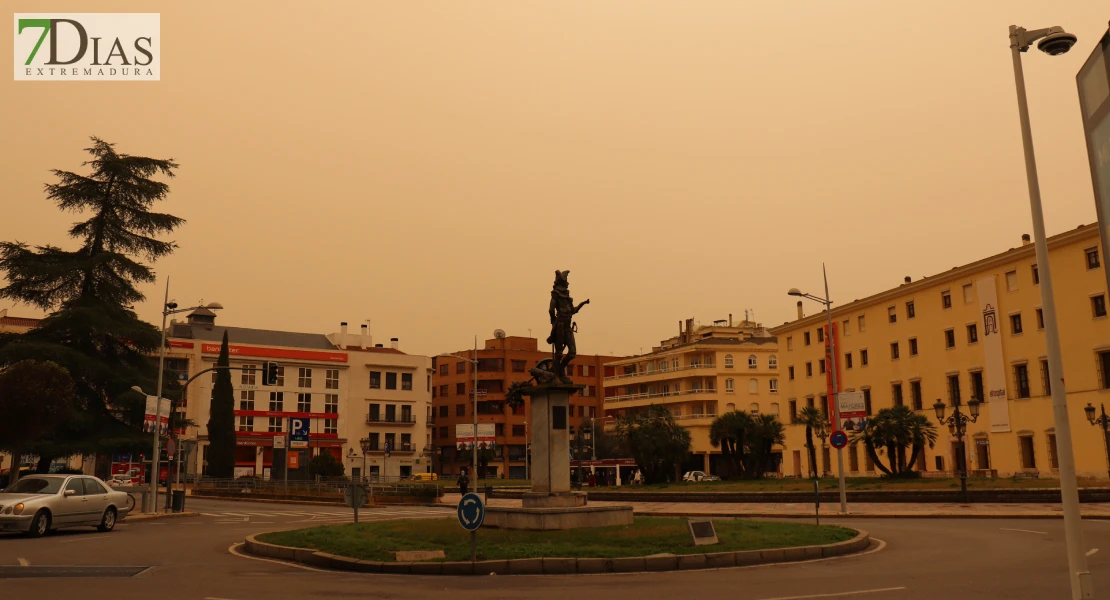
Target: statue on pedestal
[{"x": 562, "y": 311}]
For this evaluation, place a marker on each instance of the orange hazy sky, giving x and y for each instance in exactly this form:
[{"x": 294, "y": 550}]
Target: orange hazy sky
[{"x": 428, "y": 165}]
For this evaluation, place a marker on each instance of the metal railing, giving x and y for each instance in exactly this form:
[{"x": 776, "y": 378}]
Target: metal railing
[
  {"x": 401, "y": 420},
  {"x": 659, "y": 371},
  {"x": 630, "y": 397},
  {"x": 330, "y": 487}
]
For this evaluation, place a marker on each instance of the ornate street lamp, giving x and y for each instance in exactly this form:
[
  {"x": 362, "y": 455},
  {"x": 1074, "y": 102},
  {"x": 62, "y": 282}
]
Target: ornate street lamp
[
  {"x": 1102, "y": 421},
  {"x": 366, "y": 448},
  {"x": 957, "y": 425}
]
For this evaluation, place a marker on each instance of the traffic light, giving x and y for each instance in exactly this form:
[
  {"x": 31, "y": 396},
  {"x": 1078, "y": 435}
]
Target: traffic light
[{"x": 269, "y": 373}]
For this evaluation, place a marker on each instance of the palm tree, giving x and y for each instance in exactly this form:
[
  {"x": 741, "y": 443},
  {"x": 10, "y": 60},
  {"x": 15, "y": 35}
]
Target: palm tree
[
  {"x": 812, "y": 419},
  {"x": 893, "y": 430},
  {"x": 763, "y": 434},
  {"x": 728, "y": 431}
]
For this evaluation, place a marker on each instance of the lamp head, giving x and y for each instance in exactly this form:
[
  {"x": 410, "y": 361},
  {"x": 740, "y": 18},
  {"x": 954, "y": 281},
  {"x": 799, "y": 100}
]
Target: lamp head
[
  {"x": 794, "y": 292},
  {"x": 938, "y": 406},
  {"x": 140, "y": 390},
  {"x": 1090, "y": 412},
  {"x": 973, "y": 406},
  {"x": 1056, "y": 43},
  {"x": 171, "y": 306},
  {"x": 214, "y": 306}
]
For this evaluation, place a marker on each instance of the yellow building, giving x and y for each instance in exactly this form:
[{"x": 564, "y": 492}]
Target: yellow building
[
  {"x": 698, "y": 374},
  {"x": 975, "y": 331}
]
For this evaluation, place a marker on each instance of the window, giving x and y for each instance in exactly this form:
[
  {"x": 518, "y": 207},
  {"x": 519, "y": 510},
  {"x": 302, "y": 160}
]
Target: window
[
  {"x": 460, "y": 410},
  {"x": 277, "y": 401},
  {"x": 972, "y": 333},
  {"x": 331, "y": 404},
  {"x": 1053, "y": 461},
  {"x": 1104, "y": 369},
  {"x": 1011, "y": 281},
  {"x": 1025, "y": 445},
  {"x": 375, "y": 438},
  {"x": 304, "y": 377},
  {"x": 953, "y": 389},
  {"x": 1015, "y": 323},
  {"x": 821, "y": 366},
  {"x": 443, "y": 370},
  {"x": 861, "y": 324},
  {"x": 805, "y": 338},
  {"x": 406, "y": 414},
  {"x": 863, "y": 358},
  {"x": 773, "y": 387},
  {"x": 675, "y": 364},
  {"x": 753, "y": 362},
  {"x": 820, "y": 334},
  {"x": 730, "y": 385},
  {"x": 375, "y": 414},
  {"x": 809, "y": 401},
  {"x": 443, "y": 410},
  {"x": 792, "y": 406},
  {"x": 946, "y": 299},
  {"x": 847, "y": 360},
  {"x": 789, "y": 343},
  {"x": 790, "y": 372},
  {"x": 518, "y": 431},
  {"x": 591, "y": 391},
  {"x": 406, "y": 381},
  {"x": 1021, "y": 380},
  {"x": 969, "y": 294},
  {"x": 977, "y": 385},
  {"x": 246, "y": 423},
  {"x": 1040, "y": 319},
  {"x": 729, "y": 362},
  {"x": 892, "y": 314},
  {"x": 1036, "y": 275},
  {"x": 1046, "y": 381},
  {"x": 460, "y": 367},
  {"x": 753, "y": 386},
  {"x": 443, "y": 392},
  {"x": 1092, "y": 258},
  {"x": 304, "y": 402},
  {"x": 331, "y": 379},
  {"x": 773, "y": 362},
  {"x": 390, "y": 380},
  {"x": 867, "y": 400},
  {"x": 825, "y": 406},
  {"x": 896, "y": 394},
  {"x": 246, "y": 400},
  {"x": 274, "y": 425},
  {"x": 375, "y": 380},
  {"x": 910, "y": 311},
  {"x": 753, "y": 408},
  {"x": 460, "y": 389},
  {"x": 1098, "y": 305},
  {"x": 331, "y": 425},
  {"x": 519, "y": 366},
  {"x": 773, "y": 409},
  {"x": 949, "y": 338},
  {"x": 809, "y": 369},
  {"x": 844, "y": 327},
  {"x": 915, "y": 395},
  {"x": 894, "y": 351},
  {"x": 248, "y": 376},
  {"x": 913, "y": 346}
]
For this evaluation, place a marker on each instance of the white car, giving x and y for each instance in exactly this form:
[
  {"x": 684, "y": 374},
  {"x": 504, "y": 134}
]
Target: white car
[
  {"x": 695, "y": 476},
  {"x": 37, "y": 504}
]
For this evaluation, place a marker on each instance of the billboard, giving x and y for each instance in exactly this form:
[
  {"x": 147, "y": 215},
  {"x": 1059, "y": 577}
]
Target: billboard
[
  {"x": 163, "y": 415},
  {"x": 994, "y": 369},
  {"x": 853, "y": 410},
  {"x": 832, "y": 346},
  {"x": 1093, "y": 81},
  {"x": 464, "y": 435}
]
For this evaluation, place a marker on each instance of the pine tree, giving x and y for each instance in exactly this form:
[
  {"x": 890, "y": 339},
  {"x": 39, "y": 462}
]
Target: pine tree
[
  {"x": 93, "y": 331},
  {"x": 221, "y": 422}
]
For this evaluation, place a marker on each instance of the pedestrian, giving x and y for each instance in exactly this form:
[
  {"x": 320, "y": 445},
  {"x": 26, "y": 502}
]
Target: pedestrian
[{"x": 464, "y": 482}]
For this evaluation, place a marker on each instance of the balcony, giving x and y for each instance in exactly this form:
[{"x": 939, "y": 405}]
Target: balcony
[
  {"x": 379, "y": 419},
  {"x": 647, "y": 396},
  {"x": 703, "y": 365},
  {"x": 402, "y": 448}
]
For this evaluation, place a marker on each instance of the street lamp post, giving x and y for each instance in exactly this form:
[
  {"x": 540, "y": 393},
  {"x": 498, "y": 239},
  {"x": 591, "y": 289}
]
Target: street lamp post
[
  {"x": 1053, "y": 41},
  {"x": 834, "y": 411},
  {"x": 821, "y": 431},
  {"x": 168, "y": 308},
  {"x": 1102, "y": 421},
  {"x": 957, "y": 425},
  {"x": 364, "y": 443}
]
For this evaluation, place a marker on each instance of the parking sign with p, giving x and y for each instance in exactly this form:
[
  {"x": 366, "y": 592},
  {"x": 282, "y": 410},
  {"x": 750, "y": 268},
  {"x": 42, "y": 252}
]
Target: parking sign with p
[{"x": 298, "y": 432}]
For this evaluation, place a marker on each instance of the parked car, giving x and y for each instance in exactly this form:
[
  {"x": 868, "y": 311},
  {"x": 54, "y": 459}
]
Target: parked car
[
  {"x": 425, "y": 477},
  {"x": 695, "y": 476},
  {"x": 41, "y": 503}
]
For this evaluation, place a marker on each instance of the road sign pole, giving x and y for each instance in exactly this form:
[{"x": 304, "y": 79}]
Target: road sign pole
[{"x": 474, "y": 545}]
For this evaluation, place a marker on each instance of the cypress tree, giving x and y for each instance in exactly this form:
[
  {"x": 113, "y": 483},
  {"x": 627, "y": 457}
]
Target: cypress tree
[{"x": 221, "y": 422}]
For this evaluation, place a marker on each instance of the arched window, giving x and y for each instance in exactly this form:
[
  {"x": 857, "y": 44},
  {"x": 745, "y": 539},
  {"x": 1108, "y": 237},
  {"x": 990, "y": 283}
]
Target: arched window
[
  {"x": 753, "y": 362},
  {"x": 663, "y": 365},
  {"x": 730, "y": 385},
  {"x": 754, "y": 408},
  {"x": 774, "y": 408},
  {"x": 728, "y": 361},
  {"x": 773, "y": 362},
  {"x": 774, "y": 386},
  {"x": 730, "y": 407},
  {"x": 753, "y": 386}
]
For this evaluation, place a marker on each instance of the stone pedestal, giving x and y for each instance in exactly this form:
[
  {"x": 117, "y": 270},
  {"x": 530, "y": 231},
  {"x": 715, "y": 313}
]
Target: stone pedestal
[{"x": 551, "y": 504}]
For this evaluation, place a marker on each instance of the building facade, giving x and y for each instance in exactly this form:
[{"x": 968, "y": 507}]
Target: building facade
[
  {"x": 974, "y": 332},
  {"x": 501, "y": 362},
  {"x": 699, "y": 374}
]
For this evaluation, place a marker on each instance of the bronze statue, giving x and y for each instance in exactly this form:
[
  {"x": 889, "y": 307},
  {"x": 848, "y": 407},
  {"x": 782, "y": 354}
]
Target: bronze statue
[{"x": 562, "y": 311}]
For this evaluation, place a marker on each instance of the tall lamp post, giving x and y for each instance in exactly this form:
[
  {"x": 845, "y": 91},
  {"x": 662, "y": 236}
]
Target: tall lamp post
[
  {"x": 822, "y": 432},
  {"x": 1102, "y": 421},
  {"x": 834, "y": 411},
  {"x": 168, "y": 308},
  {"x": 1053, "y": 41},
  {"x": 957, "y": 425},
  {"x": 364, "y": 443}
]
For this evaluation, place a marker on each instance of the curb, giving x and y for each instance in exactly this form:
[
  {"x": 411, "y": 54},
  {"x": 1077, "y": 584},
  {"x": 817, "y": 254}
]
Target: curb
[
  {"x": 148, "y": 517},
  {"x": 868, "y": 516},
  {"x": 562, "y": 566}
]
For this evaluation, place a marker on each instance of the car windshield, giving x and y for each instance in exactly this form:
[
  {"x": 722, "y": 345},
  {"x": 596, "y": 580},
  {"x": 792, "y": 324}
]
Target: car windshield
[{"x": 36, "y": 485}]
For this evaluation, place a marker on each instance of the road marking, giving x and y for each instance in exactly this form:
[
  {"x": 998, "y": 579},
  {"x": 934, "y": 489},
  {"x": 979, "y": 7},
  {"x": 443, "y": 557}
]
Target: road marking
[
  {"x": 838, "y": 594},
  {"x": 1089, "y": 552},
  {"x": 84, "y": 538},
  {"x": 227, "y": 514},
  {"x": 211, "y": 597},
  {"x": 1023, "y": 530},
  {"x": 23, "y": 562}
]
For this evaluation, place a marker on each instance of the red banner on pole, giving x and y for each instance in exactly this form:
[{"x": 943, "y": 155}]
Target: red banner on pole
[{"x": 832, "y": 346}]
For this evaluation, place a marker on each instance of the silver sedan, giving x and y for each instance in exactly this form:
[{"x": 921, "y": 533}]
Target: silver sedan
[{"x": 37, "y": 504}]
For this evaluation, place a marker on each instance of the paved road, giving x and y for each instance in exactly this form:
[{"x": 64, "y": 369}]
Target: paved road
[{"x": 923, "y": 559}]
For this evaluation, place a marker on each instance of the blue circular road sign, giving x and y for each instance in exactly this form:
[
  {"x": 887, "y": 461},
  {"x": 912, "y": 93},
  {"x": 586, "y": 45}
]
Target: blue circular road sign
[
  {"x": 838, "y": 439},
  {"x": 471, "y": 512}
]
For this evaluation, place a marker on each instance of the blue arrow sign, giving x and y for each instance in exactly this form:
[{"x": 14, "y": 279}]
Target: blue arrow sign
[{"x": 471, "y": 512}]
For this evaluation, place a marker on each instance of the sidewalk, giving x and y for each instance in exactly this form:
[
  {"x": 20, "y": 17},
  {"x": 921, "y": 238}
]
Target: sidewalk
[{"x": 832, "y": 510}]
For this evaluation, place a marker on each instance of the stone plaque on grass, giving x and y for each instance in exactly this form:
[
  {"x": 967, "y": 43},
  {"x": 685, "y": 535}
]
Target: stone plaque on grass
[
  {"x": 418, "y": 555},
  {"x": 702, "y": 531}
]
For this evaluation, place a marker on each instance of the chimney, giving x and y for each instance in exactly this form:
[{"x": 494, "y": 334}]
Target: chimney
[
  {"x": 394, "y": 343},
  {"x": 908, "y": 279},
  {"x": 689, "y": 330},
  {"x": 1025, "y": 239},
  {"x": 729, "y": 324},
  {"x": 680, "y": 336},
  {"x": 364, "y": 337},
  {"x": 800, "y": 313}
]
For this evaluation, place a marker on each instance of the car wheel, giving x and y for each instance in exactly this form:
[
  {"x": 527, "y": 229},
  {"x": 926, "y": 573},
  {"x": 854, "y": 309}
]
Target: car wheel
[
  {"x": 108, "y": 521},
  {"x": 40, "y": 524}
]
